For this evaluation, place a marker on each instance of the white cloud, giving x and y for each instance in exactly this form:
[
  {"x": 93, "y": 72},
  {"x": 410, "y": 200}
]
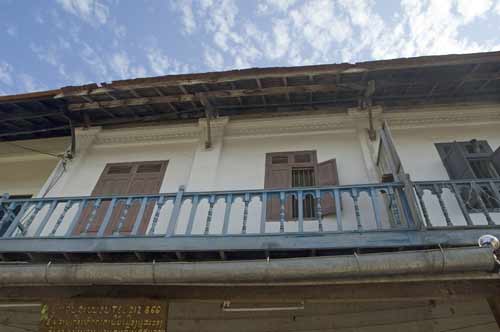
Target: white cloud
[
  {"x": 6, "y": 73},
  {"x": 497, "y": 8},
  {"x": 161, "y": 64},
  {"x": 91, "y": 11},
  {"x": 12, "y": 30},
  {"x": 29, "y": 84},
  {"x": 431, "y": 29},
  {"x": 94, "y": 61},
  {"x": 47, "y": 54},
  {"x": 268, "y": 6},
  {"x": 471, "y": 9},
  {"x": 121, "y": 64},
  {"x": 213, "y": 59},
  {"x": 188, "y": 20}
]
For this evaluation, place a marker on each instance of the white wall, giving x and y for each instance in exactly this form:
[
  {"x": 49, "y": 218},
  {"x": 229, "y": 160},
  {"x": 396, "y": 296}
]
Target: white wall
[
  {"x": 82, "y": 177},
  {"x": 23, "y": 170},
  {"x": 25, "y": 177},
  {"x": 237, "y": 161},
  {"x": 422, "y": 161},
  {"x": 242, "y": 163},
  {"x": 419, "y": 155}
]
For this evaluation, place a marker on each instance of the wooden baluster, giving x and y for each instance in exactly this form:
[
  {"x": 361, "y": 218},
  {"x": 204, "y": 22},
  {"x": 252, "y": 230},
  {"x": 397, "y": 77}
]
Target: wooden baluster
[
  {"x": 140, "y": 215},
  {"x": 300, "y": 208},
  {"x": 282, "y": 211},
  {"x": 338, "y": 209},
  {"x": 159, "y": 206},
  {"x": 319, "y": 212},
  {"x": 478, "y": 190},
  {"x": 123, "y": 215},
  {"x": 67, "y": 206},
  {"x": 458, "y": 195},
  {"x": 32, "y": 217},
  {"x": 175, "y": 212},
  {"x": 355, "y": 197},
  {"x": 495, "y": 190},
  {"x": 376, "y": 207},
  {"x": 46, "y": 219},
  {"x": 420, "y": 195},
  {"x": 192, "y": 214},
  {"x": 263, "y": 213},
  {"x": 107, "y": 218},
  {"x": 438, "y": 191},
  {"x": 227, "y": 213},
  {"x": 9, "y": 214},
  {"x": 15, "y": 223},
  {"x": 393, "y": 205},
  {"x": 76, "y": 218},
  {"x": 245, "y": 214},
  {"x": 211, "y": 203},
  {"x": 92, "y": 216}
]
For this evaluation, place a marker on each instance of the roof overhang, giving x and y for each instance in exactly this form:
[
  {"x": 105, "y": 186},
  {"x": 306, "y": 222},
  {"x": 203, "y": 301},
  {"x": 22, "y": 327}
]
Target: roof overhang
[{"x": 399, "y": 83}]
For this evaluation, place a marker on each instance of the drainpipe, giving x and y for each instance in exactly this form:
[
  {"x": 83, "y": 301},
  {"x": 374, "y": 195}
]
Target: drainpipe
[{"x": 310, "y": 270}]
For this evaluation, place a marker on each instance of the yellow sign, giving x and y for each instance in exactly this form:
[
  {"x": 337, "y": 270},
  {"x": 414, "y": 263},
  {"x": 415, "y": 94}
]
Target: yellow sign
[{"x": 104, "y": 315}]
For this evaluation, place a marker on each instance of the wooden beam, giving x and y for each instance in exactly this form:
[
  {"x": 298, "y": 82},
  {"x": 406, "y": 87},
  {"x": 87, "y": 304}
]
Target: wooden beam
[
  {"x": 208, "y": 114},
  {"x": 192, "y": 97},
  {"x": 397, "y": 64},
  {"x": 234, "y": 88},
  {"x": 161, "y": 94},
  {"x": 26, "y": 132},
  {"x": 462, "y": 82},
  {"x": 26, "y": 117}
]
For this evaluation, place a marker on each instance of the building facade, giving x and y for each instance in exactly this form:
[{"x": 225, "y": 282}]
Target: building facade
[{"x": 324, "y": 198}]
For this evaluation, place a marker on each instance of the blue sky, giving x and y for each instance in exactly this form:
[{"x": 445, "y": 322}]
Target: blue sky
[{"x": 52, "y": 43}]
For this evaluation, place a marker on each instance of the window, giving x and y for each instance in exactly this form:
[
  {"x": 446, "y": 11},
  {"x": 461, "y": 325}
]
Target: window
[
  {"x": 295, "y": 170},
  {"x": 468, "y": 160},
  {"x": 303, "y": 177},
  {"x": 135, "y": 178},
  {"x": 472, "y": 160}
]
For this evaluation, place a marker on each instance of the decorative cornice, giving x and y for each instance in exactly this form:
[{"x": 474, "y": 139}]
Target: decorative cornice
[
  {"x": 147, "y": 135},
  {"x": 443, "y": 116},
  {"x": 290, "y": 125},
  {"x": 310, "y": 123}
]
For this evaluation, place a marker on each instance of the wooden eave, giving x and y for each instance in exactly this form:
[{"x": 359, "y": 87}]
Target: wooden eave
[{"x": 399, "y": 83}]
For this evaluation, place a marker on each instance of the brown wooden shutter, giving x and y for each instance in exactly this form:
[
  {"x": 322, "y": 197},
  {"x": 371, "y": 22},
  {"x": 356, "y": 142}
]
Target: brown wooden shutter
[
  {"x": 328, "y": 176},
  {"x": 279, "y": 169},
  {"x": 124, "y": 179},
  {"x": 495, "y": 160},
  {"x": 278, "y": 176},
  {"x": 456, "y": 163}
]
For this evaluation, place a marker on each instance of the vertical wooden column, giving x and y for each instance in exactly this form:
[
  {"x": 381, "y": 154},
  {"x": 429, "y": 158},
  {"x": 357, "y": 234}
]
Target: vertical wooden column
[
  {"x": 399, "y": 174},
  {"x": 206, "y": 160}
]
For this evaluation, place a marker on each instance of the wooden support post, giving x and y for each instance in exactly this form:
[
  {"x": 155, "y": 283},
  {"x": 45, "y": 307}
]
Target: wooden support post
[
  {"x": 209, "y": 108},
  {"x": 370, "y": 90}
]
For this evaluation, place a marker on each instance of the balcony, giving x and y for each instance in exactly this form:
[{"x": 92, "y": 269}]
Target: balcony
[{"x": 239, "y": 224}]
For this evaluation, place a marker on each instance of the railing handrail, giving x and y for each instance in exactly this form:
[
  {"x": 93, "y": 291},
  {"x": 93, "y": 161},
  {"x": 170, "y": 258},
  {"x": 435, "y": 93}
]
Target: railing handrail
[
  {"x": 460, "y": 181},
  {"x": 238, "y": 192}
]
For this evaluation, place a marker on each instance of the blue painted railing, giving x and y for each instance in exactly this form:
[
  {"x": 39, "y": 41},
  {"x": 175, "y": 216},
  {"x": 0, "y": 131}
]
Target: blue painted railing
[
  {"x": 355, "y": 208},
  {"x": 459, "y": 203}
]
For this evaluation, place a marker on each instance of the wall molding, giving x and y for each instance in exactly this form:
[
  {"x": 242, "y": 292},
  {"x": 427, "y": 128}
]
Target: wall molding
[
  {"x": 311, "y": 123},
  {"x": 443, "y": 117}
]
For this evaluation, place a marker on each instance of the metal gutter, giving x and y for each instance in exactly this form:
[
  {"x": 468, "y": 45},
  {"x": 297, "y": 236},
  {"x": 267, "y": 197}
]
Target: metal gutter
[{"x": 311, "y": 270}]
